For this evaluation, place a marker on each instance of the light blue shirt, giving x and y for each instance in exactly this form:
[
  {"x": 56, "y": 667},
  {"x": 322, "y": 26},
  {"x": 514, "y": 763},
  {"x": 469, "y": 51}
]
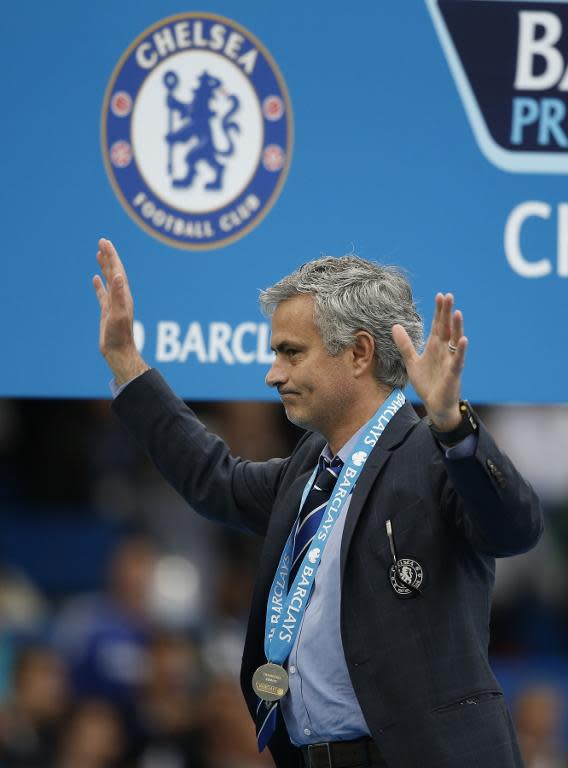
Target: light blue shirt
[{"x": 321, "y": 704}]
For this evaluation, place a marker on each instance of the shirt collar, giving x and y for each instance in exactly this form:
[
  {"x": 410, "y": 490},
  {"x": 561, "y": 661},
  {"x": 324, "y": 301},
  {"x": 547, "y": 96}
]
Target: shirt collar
[{"x": 346, "y": 450}]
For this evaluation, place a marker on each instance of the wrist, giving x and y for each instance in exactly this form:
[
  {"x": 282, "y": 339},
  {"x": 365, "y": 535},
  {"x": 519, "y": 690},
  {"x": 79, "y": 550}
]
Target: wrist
[
  {"x": 467, "y": 425},
  {"x": 126, "y": 367},
  {"x": 447, "y": 421}
]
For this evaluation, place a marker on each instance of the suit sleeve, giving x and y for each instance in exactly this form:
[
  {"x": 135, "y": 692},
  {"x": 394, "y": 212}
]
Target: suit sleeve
[
  {"x": 490, "y": 502},
  {"x": 196, "y": 462}
]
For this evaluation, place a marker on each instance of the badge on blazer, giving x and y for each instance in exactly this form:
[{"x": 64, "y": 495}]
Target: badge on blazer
[{"x": 406, "y": 577}]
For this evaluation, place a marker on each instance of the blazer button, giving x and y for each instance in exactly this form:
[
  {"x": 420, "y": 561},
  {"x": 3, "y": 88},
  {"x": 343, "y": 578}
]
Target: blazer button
[{"x": 497, "y": 474}]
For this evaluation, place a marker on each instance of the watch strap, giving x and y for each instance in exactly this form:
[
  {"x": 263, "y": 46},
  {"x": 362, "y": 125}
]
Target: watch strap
[{"x": 467, "y": 426}]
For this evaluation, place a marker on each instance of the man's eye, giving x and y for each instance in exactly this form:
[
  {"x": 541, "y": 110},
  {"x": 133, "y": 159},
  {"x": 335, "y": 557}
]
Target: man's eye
[{"x": 291, "y": 352}]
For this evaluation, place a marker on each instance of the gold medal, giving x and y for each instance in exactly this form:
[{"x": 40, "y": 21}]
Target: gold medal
[{"x": 270, "y": 682}]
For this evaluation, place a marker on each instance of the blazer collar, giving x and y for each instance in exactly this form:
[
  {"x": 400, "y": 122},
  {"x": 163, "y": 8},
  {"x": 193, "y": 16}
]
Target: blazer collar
[{"x": 398, "y": 428}]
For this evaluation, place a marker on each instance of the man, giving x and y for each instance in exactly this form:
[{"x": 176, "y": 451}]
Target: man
[{"x": 379, "y": 624}]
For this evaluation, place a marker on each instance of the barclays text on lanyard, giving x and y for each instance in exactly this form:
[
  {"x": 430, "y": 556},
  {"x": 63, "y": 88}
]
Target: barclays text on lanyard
[{"x": 284, "y": 616}]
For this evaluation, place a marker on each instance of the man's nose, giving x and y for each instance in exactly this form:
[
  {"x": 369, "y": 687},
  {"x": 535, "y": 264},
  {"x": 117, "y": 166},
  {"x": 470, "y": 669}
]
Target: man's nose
[{"x": 276, "y": 375}]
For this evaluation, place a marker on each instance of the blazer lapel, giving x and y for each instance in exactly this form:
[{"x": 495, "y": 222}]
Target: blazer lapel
[{"x": 395, "y": 433}]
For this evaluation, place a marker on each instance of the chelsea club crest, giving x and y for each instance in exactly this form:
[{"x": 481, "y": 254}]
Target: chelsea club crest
[{"x": 197, "y": 131}]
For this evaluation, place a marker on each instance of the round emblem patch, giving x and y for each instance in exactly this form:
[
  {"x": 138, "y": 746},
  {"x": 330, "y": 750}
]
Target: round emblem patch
[
  {"x": 407, "y": 577},
  {"x": 313, "y": 555},
  {"x": 197, "y": 131}
]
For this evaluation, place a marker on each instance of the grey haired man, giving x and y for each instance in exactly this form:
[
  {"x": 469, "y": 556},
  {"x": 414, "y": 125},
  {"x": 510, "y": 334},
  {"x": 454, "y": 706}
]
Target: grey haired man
[{"x": 367, "y": 640}]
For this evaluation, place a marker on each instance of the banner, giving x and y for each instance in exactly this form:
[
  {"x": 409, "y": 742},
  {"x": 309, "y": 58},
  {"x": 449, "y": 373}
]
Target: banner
[{"x": 220, "y": 149}]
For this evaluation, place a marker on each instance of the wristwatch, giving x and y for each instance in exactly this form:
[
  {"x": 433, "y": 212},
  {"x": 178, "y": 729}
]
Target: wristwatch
[{"x": 467, "y": 426}]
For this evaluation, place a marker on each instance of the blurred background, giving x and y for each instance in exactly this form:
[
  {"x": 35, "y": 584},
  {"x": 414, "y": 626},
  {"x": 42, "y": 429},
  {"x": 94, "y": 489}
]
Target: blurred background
[{"x": 123, "y": 612}]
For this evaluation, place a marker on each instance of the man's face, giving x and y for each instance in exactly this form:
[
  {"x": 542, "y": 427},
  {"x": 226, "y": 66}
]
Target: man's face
[{"x": 314, "y": 386}]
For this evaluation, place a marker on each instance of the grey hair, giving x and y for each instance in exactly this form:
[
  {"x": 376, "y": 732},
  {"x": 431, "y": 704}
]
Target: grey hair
[{"x": 352, "y": 294}]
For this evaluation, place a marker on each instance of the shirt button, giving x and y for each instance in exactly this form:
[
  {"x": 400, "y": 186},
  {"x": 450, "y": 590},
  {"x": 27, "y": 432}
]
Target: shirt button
[
  {"x": 307, "y": 732},
  {"x": 292, "y": 670}
]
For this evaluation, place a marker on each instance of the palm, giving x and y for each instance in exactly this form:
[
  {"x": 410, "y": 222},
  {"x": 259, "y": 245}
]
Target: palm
[
  {"x": 116, "y": 338},
  {"x": 115, "y": 325},
  {"x": 115, "y": 300},
  {"x": 436, "y": 374}
]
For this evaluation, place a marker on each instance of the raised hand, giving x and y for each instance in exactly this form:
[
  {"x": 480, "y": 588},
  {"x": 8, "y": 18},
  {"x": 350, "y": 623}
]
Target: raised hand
[
  {"x": 436, "y": 374},
  {"x": 116, "y": 338}
]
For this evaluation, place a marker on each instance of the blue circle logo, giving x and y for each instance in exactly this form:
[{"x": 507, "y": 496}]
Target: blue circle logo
[{"x": 197, "y": 131}]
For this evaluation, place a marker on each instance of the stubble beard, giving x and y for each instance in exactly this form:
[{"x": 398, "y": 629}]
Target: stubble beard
[
  {"x": 298, "y": 421},
  {"x": 303, "y": 421}
]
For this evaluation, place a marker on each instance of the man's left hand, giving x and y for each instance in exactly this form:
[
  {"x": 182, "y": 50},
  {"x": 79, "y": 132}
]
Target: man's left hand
[{"x": 436, "y": 374}]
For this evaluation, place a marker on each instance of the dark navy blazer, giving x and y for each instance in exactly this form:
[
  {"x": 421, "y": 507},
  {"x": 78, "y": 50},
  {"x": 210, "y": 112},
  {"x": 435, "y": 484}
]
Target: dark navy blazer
[{"x": 418, "y": 666}]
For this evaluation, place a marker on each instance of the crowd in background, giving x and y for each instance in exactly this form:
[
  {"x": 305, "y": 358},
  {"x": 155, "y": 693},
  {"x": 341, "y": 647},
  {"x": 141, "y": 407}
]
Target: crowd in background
[{"x": 122, "y": 613}]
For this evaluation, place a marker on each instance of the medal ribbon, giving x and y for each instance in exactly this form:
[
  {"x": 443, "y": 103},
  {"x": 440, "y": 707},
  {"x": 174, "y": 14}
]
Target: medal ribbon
[{"x": 287, "y": 603}]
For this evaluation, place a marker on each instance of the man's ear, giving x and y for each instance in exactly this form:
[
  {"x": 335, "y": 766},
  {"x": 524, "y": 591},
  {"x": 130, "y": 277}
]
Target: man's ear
[{"x": 363, "y": 351}]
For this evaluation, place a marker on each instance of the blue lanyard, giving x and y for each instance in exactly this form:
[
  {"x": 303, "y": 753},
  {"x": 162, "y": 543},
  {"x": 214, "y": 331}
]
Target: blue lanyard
[{"x": 286, "y": 607}]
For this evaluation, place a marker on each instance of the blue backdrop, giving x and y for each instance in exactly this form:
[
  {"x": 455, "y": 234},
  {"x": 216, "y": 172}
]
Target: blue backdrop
[{"x": 427, "y": 134}]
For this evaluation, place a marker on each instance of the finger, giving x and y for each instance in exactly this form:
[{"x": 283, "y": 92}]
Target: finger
[
  {"x": 445, "y": 325},
  {"x": 457, "y": 327},
  {"x": 458, "y": 357},
  {"x": 438, "y": 302},
  {"x": 106, "y": 261},
  {"x": 112, "y": 263},
  {"x": 104, "y": 264},
  {"x": 100, "y": 291},
  {"x": 117, "y": 290},
  {"x": 404, "y": 344}
]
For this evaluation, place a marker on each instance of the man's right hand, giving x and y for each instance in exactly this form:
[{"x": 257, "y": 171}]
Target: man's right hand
[{"x": 116, "y": 337}]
